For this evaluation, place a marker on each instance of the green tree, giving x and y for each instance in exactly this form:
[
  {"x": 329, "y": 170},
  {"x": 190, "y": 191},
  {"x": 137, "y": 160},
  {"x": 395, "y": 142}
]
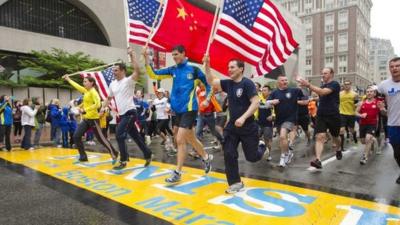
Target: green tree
[{"x": 58, "y": 62}]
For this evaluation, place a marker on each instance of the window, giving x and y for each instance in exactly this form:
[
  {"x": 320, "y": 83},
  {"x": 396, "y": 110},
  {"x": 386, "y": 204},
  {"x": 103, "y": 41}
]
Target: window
[
  {"x": 342, "y": 42},
  {"x": 308, "y": 61},
  {"x": 308, "y": 52},
  {"x": 56, "y": 18},
  {"x": 343, "y": 19},
  {"x": 308, "y": 72},
  {"x": 342, "y": 69},
  {"x": 329, "y": 50},
  {"x": 328, "y": 59},
  {"x": 329, "y": 22},
  {"x": 329, "y": 4}
]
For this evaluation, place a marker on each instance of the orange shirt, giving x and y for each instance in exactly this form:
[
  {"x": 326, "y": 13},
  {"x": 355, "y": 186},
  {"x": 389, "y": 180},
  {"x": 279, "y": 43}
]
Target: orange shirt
[{"x": 312, "y": 108}]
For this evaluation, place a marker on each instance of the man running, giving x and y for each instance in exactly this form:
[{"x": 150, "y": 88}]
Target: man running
[
  {"x": 241, "y": 128},
  {"x": 122, "y": 90},
  {"x": 368, "y": 111},
  {"x": 391, "y": 89},
  {"x": 328, "y": 116},
  {"x": 285, "y": 101},
  {"x": 347, "y": 108},
  {"x": 184, "y": 104}
]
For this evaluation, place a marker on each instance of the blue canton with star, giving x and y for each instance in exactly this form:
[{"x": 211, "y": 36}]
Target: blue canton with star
[
  {"x": 108, "y": 75},
  {"x": 144, "y": 10},
  {"x": 243, "y": 11}
]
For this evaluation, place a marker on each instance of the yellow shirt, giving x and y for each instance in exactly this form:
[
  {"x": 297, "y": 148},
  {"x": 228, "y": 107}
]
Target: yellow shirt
[
  {"x": 91, "y": 101},
  {"x": 347, "y": 103},
  {"x": 263, "y": 100}
]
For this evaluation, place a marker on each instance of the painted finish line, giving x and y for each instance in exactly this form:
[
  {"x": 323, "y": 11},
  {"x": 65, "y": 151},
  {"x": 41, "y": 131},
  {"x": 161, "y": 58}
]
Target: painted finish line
[{"x": 200, "y": 199}]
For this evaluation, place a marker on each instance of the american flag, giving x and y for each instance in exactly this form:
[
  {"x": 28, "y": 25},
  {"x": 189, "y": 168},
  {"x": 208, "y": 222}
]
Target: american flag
[
  {"x": 141, "y": 17},
  {"x": 256, "y": 30},
  {"x": 103, "y": 80}
]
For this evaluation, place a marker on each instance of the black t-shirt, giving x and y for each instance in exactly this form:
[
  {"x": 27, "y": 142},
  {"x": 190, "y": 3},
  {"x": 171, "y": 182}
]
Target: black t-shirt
[
  {"x": 239, "y": 95},
  {"x": 286, "y": 110},
  {"x": 329, "y": 104}
]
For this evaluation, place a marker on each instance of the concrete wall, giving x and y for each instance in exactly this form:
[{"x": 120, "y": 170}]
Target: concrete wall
[
  {"x": 108, "y": 16},
  {"x": 46, "y": 94}
]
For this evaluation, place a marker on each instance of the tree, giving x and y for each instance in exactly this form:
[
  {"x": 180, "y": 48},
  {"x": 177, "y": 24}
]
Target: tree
[{"x": 58, "y": 62}]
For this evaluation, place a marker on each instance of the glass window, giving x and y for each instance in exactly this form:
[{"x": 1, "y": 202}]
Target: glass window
[{"x": 56, "y": 18}]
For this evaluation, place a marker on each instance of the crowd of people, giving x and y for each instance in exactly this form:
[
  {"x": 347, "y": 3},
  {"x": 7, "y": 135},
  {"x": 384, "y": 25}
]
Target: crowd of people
[{"x": 235, "y": 110}]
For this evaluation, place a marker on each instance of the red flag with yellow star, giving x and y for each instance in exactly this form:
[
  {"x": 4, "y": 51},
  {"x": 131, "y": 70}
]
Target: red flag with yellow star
[{"x": 185, "y": 24}]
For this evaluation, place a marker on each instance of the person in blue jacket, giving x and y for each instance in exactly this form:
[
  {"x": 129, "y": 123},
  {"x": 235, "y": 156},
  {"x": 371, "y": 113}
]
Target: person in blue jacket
[
  {"x": 55, "y": 114},
  {"x": 185, "y": 79},
  {"x": 72, "y": 127},
  {"x": 6, "y": 120},
  {"x": 64, "y": 125}
]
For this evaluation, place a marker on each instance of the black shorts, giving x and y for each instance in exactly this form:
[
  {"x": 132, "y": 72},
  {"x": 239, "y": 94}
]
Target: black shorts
[
  {"x": 221, "y": 121},
  {"x": 174, "y": 121},
  {"x": 186, "y": 120},
  {"x": 303, "y": 121},
  {"x": 347, "y": 121},
  {"x": 331, "y": 122},
  {"x": 367, "y": 129}
]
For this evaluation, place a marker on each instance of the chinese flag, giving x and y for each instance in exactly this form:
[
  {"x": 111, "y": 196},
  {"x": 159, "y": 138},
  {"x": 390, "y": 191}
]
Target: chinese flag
[{"x": 185, "y": 24}]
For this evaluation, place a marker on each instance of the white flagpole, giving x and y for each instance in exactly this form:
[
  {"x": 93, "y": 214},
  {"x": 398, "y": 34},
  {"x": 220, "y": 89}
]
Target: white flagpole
[
  {"x": 215, "y": 22},
  {"x": 94, "y": 68},
  {"x": 126, "y": 10},
  {"x": 154, "y": 23}
]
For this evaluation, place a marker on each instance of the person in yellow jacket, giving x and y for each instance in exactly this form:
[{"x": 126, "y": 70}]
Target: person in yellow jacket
[{"x": 90, "y": 118}]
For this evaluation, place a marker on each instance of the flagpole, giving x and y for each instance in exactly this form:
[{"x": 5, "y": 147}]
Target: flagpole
[
  {"x": 216, "y": 16},
  {"x": 154, "y": 24},
  {"x": 94, "y": 68},
  {"x": 127, "y": 27}
]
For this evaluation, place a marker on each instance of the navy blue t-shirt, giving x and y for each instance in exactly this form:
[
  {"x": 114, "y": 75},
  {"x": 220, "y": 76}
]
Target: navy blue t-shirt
[
  {"x": 239, "y": 95},
  {"x": 286, "y": 110},
  {"x": 329, "y": 104},
  {"x": 263, "y": 114}
]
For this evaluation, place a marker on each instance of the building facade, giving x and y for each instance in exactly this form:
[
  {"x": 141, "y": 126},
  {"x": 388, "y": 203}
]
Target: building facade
[
  {"x": 337, "y": 36},
  {"x": 380, "y": 52}
]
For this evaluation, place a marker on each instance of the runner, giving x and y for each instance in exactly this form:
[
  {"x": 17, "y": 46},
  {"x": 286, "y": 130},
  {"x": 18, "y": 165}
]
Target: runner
[
  {"x": 264, "y": 120},
  {"x": 328, "y": 117},
  {"x": 285, "y": 101},
  {"x": 184, "y": 104},
  {"x": 368, "y": 111},
  {"x": 391, "y": 89},
  {"x": 243, "y": 102},
  {"x": 90, "y": 118},
  {"x": 121, "y": 89},
  {"x": 347, "y": 107}
]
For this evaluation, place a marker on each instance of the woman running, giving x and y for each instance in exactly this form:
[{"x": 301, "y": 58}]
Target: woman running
[{"x": 89, "y": 110}]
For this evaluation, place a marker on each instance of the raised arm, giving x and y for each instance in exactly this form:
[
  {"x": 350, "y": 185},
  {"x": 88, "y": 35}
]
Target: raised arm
[
  {"x": 155, "y": 74},
  {"x": 213, "y": 81},
  {"x": 318, "y": 90},
  {"x": 75, "y": 85},
  {"x": 136, "y": 72}
]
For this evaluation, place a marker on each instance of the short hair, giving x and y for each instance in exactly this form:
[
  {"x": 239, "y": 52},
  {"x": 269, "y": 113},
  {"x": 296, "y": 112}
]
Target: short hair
[
  {"x": 330, "y": 70},
  {"x": 258, "y": 84},
  {"x": 121, "y": 66},
  {"x": 179, "y": 48},
  {"x": 239, "y": 63},
  {"x": 267, "y": 86},
  {"x": 395, "y": 59},
  {"x": 346, "y": 81},
  {"x": 281, "y": 75}
]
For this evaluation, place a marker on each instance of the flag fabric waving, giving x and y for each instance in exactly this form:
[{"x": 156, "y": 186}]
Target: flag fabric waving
[
  {"x": 254, "y": 31},
  {"x": 185, "y": 23},
  {"x": 103, "y": 80},
  {"x": 141, "y": 17}
]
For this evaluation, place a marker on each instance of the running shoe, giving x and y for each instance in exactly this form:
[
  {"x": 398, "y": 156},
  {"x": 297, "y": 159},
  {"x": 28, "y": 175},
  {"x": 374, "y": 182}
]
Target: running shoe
[
  {"x": 207, "y": 163},
  {"x": 234, "y": 188},
  {"x": 174, "y": 178},
  {"x": 339, "y": 155},
  {"x": 316, "y": 163}
]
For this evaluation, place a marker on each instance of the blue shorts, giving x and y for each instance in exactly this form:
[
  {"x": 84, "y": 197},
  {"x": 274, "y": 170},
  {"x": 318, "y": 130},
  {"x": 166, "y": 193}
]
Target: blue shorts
[{"x": 394, "y": 134}]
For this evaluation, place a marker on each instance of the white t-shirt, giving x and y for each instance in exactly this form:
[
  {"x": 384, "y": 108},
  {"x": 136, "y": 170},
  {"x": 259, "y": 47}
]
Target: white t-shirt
[
  {"x": 391, "y": 90},
  {"x": 161, "y": 106},
  {"x": 123, "y": 91},
  {"x": 28, "y": 116}
]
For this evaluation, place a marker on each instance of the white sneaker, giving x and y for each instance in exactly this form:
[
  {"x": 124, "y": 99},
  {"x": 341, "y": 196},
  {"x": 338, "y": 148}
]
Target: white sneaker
[
  {"x": 282, "y": 161},
  {"x": 59, "y": 146},
  {"x": 289, "y": 157},
  {"x": 234, "y": 188},
  {"x": 31, "y": 149},
  {"x": 147, "y": 140}
]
